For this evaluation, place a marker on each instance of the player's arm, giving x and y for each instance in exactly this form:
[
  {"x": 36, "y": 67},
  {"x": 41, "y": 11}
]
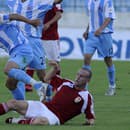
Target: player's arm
[
  {"x": 52, "y": 72},
  {"x": 53, "y": 20},
  {"x": 89, "y": 112},
  {"x": 18, "y": 17},
  {"x": 57, "y": 1},
  {"x": 85, "y": 34},
  {"x": 103, "y": 26}
]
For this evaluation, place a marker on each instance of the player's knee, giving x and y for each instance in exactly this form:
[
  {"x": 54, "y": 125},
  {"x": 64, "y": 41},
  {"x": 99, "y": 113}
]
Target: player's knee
[
  {"x": 40, "y": 121},
  {"x": 11, "y": 84},
  {"x": 12, "y": 104}
]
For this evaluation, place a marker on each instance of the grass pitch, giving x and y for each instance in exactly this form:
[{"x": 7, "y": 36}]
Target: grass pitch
[{"x": 112, "y": 113}]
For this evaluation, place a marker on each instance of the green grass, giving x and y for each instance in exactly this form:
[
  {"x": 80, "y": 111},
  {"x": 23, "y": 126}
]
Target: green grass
[{"x": 112, "y": 113}]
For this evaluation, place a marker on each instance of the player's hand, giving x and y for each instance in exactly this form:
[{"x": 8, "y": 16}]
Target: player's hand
[
  {"x": 98, "y": 32},
  {"x": 53, "y": 63},
  {"x": 89, "y": 122},
  {"x": 85, "y": 35}
]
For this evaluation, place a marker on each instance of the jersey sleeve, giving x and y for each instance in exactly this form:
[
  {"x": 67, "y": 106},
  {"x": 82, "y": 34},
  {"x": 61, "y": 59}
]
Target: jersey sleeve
[
  {"x": 56, "y": 81},
  {"x": 89, "y": 112},
  {"x": 109, "y": 9},
  {"x": 4, "y": 18},
  {"x": 58, "y": 8}
]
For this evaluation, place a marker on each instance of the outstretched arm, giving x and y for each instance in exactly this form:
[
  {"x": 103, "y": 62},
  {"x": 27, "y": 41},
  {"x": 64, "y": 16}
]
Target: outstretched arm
[
  {"x": 53, "y": 20},
  {"x": 18, "y": 17},
  {"x": 57, "y": 1},
  {"x": 52, "y": 72}
]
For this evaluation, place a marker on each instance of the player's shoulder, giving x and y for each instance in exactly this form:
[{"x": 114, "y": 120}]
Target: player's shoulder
[{"x": 58, "y": 6}]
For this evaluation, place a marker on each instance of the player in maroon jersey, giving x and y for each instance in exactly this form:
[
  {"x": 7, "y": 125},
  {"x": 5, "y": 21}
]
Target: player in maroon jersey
[
  {"x": 50, "y": 38},
  {"x": 70, "y": 100}
]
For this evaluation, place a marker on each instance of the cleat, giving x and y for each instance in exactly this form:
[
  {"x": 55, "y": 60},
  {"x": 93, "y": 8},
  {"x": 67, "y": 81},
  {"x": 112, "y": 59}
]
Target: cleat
[
  {"x": 9, "y": 120},
  {"x": 12, "y": 120},
  {"x": 42, "y": 90},
  {"x": 110, "y": 92}
]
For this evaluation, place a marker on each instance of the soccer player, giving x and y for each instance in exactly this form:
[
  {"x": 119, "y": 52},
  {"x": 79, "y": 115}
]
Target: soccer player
[
  {"x": 32, "y": 9},
  {"x": 71, "y": 99},
  {"x": 20, "y": 53},
  {"x": 50, "y": 37},
  {"x": 98, "y": 37}
]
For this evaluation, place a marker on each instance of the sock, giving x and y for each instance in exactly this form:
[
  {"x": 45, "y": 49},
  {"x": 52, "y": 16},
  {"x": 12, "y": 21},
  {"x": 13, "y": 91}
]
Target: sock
[
  {"x": 3, "y": 108},
  {"x": 21, "y": 76},
  {"x": 49, "y": 93},
  {"x": 19, "y": 92},
  {"x": 26, "y": 121},
  {"x": 111, "y": 75},
  {"x": 86, "y": 67}
]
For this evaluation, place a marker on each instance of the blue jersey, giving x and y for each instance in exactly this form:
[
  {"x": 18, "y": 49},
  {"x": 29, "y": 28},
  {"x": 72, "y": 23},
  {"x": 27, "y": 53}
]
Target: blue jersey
[
  {"x": 32, "y": 9},
  {"x": 4, "y": 6},
  {"x": 98, "y": 11},
  {"x": 11, "y": 37}
]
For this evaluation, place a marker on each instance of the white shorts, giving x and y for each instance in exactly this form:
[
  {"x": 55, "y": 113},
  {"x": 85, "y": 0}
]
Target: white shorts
[
  {"x": 38, "y": 109},
  {"x": 52, "y": 49}
]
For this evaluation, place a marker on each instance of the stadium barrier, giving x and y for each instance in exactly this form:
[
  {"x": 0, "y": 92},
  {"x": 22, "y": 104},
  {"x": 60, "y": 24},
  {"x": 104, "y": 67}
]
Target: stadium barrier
[{"x": 71, "y": 42}]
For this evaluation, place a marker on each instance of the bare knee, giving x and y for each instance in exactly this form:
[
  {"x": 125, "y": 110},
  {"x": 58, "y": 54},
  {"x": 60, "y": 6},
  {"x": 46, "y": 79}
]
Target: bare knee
[
  {"x": 108, "y": 61},
  {"x": 11, "y": 83},
  {"x": 12, "y": 104},
  {"x": 87, "y": 59},
  {"x": 40, "y": 121},
  {"x": 9, "y": 66}
]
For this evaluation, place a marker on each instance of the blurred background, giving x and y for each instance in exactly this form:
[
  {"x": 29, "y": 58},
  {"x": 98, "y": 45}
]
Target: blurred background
[
  {"x": 74, "y": 22},
  {"x": 75, "y": 14}
]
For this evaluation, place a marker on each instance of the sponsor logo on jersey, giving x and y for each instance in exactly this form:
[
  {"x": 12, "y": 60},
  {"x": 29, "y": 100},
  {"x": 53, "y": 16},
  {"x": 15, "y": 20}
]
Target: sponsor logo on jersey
[{"x": 77, "y": 99}]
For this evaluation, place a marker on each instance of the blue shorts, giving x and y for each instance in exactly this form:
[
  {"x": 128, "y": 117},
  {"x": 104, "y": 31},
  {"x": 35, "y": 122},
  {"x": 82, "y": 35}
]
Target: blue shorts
[
  {"x": 39, "y": 61},
  {"x": 22, "y": 55},
  {"x": 102, "y": 43}
]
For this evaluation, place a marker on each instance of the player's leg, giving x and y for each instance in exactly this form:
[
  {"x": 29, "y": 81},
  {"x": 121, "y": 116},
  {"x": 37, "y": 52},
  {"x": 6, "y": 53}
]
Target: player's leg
[
  {"x": 111, "y": 76},
  {"x": 107, "y": 52},
  {"x": 89, "y": 49},
  {"x": 18, "y": 106},
  {"x": 52, "y": 51},
  {"x": 37, "y": 113},
  {"x": 30, "y": 72},
  {"x": 13, "y": 71}
]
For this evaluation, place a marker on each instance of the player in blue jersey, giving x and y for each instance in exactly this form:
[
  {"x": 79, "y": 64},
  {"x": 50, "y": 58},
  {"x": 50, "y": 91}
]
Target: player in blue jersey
[
  {"x": 32, "y": 10},
  {"x": 20, "y": 54},
  {"x": 98, "y": 37}
]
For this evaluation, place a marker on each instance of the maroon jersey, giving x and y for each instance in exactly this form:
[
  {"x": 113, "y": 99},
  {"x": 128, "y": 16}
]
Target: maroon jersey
[
  {"x": 69, "y": 102},
  {"x": 52, "y": 32}
]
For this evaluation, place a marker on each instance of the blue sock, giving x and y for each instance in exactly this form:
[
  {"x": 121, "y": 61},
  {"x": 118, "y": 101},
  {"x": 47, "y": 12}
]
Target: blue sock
[
  {"x": 21, "y": 87},
  {"x": 49, "y": 93},
  {"x": 17, "y": 94},
  {"x": 111, "y": 74},
  {"x": 19, "y": 75},
  {"x": 86, "y": 67}
]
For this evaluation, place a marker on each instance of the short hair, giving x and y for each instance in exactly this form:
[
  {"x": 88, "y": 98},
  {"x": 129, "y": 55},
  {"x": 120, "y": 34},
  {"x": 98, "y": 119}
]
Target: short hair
[{"x": 90, "y": 72}]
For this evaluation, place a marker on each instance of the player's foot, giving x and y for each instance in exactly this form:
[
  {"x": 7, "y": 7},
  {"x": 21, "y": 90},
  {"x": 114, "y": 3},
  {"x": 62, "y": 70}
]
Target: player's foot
[
  {"x": 12, "y": 120},
  {"x": 111, "y": 91},
  {"x": 42, "y": 90},
  {"x": 28, "y": 88}
]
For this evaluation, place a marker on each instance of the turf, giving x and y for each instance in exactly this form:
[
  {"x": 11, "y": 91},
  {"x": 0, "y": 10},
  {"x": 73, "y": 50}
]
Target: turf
[{"x": 112, "y": 113}]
